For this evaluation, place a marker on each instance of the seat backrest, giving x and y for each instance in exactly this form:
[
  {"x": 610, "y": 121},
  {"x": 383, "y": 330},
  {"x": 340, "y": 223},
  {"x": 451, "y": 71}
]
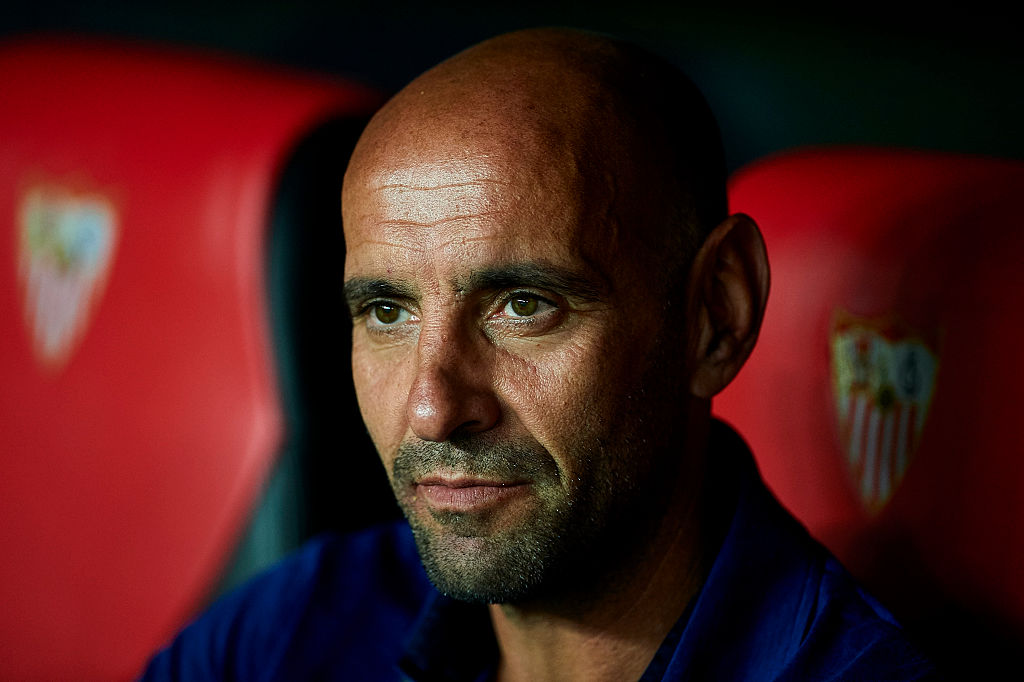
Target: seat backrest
[
  {"x": 882, "y": 398},
  {"x": 139, "y": 413}
]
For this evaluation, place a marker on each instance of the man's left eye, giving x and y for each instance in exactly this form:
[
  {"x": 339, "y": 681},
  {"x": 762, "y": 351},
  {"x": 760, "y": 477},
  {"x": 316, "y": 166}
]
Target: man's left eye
[
  {"x": 386, "y": 315},
  {"x": 524, "y": 305}
]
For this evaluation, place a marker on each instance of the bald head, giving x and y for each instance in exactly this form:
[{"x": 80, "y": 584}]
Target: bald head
[{"x": 623, "y": 134}]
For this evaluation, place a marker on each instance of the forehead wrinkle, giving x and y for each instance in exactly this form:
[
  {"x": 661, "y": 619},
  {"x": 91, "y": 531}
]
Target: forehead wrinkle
[
  {"x": 452, "y": 241},
  {"x": 402, "y": 233},
  {"x": 451, "y": 170},
  {"x": 441, "y": 221},
  {"x": 406, "y": 244},
  {"x": 467, "y": 183},
  {"x": 428, "y": 206}
]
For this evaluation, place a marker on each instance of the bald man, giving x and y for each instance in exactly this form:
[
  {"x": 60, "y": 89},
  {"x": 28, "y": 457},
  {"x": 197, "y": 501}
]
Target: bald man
[{"x": 546, "y": 292}]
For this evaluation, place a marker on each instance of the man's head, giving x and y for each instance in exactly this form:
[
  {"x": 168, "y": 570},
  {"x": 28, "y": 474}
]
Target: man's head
[{"x": 533, "y": 352}]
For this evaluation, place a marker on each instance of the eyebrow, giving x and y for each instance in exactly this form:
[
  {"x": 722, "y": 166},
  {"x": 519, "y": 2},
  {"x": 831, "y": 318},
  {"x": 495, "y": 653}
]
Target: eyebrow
[
  {"x": 359, "y": 289},
  {"x": 510, "y": 276},
  {"x": 541, "y": 275}
]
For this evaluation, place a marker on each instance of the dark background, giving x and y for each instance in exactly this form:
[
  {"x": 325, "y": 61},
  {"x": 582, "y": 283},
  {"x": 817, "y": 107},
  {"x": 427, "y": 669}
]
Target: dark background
[{"x": 777, "y": 76}]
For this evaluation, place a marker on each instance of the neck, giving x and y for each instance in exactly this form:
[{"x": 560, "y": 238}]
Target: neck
[{"x": 612, "y": 633}]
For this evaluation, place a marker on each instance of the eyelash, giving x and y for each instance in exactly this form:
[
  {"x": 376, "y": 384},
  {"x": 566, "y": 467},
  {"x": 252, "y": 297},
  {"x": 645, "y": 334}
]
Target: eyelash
[
  {"x": 527, "y": 295},
  {"x": 368, "y": 309}
]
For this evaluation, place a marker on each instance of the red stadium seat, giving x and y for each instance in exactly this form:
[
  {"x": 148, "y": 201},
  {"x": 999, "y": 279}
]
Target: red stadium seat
[
  {"x": 882, "y": 399},
  {"x": 139, "y": 413}
]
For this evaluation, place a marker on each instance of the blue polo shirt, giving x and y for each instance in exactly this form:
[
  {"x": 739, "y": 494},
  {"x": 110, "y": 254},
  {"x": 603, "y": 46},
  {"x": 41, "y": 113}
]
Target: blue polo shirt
[{"x": 775, "y": 606}]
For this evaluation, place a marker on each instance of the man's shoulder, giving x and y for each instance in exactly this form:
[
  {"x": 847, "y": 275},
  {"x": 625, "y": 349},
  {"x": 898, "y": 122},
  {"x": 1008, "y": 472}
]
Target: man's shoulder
[
  {"x": 851, "y": 636},
  {"x": 337, "y": 599},
  {"x": 840, "y": 631},
  {"x": 778, "y": 605}
]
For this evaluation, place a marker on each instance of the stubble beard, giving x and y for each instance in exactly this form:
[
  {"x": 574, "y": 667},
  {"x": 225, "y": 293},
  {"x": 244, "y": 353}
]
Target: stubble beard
[
  {"x": 488, "y": 557},
  {"x": 570, "y": 537}
]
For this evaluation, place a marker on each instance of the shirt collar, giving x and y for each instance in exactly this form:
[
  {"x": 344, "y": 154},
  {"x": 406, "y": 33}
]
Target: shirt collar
[{"x": 451, "y": 640}]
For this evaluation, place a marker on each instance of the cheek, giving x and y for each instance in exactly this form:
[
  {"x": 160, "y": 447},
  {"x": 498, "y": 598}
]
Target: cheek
[
  {"x": 564, "y": 397},
  {"x": 381, "y": 390}
]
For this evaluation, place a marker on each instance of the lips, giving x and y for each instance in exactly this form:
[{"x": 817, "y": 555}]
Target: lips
[{"x": 466, "y": 494}]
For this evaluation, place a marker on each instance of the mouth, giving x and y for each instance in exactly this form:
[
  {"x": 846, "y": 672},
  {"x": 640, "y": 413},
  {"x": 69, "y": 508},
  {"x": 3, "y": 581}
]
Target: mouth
[{"x": 466, "y": 495}]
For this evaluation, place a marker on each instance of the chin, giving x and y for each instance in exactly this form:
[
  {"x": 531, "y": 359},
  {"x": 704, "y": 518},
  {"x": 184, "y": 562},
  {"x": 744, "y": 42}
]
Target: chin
[{"x": 506, "y": 567}]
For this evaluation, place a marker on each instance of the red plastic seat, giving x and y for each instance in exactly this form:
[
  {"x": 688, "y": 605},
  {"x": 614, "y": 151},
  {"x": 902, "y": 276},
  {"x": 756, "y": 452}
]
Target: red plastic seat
[
  {"x": 139, "y": 413},
  {"x": 883, "y": 398}
]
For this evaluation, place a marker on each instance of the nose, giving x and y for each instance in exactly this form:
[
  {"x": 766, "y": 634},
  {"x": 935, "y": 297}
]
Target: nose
[{"x": 452, "y": 390}]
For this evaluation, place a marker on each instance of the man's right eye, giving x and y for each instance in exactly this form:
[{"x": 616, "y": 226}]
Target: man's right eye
[{"x": 386, "y": 315}]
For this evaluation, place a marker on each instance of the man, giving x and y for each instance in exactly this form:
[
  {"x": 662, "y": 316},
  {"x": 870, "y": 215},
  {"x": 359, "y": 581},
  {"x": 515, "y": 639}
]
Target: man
[{"x": 546, "y": 292}]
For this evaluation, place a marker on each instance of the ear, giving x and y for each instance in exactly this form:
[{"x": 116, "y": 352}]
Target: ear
[{"x": 728, "y": 291}]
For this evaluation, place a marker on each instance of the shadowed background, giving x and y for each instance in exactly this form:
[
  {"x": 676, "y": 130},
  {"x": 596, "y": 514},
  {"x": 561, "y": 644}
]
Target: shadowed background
[{"x": 777, "y": 76}]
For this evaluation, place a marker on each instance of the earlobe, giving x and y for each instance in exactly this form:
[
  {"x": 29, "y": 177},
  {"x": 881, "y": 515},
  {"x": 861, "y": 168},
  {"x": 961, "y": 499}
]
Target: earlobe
[{"x": 729, "y": 285}]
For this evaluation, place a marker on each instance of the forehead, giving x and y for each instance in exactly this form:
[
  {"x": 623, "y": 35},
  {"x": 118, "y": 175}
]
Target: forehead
[{"x": 473, "y": 205}]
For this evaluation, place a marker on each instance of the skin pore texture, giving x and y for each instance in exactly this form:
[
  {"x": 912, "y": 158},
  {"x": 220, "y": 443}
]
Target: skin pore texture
[{"x": 546, "y": 293}]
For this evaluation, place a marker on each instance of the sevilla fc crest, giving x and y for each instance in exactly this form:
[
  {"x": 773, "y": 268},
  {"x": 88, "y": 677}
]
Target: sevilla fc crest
[
  {"x": 883, "y": 378},
  {"x": 66, "y": 244}
]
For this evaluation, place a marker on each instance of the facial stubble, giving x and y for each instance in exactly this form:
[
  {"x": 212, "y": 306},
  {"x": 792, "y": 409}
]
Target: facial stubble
[
  {"x": 493, "y": 556},
  {"x": 564, "y": 543}
]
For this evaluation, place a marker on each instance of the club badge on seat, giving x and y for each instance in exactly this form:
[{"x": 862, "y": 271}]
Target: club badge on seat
[
  {"x": 883, "y": 378},
  {"x": 66, "y": 240}
]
